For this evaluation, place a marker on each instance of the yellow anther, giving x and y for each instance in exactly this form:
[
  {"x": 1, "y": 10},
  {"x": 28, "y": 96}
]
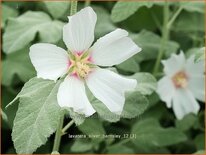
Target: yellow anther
[
  {"x": 180, "y": 80},
  {"x": 82, "y": 69},
  {"x": 80, "y": 65}
]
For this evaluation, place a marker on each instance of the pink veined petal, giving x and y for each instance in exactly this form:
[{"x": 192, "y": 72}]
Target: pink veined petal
[
  {"x": 78, "y": 34},
  {"x": 184, "y": 103},
  {"x": 113, "y": 48},
  {"x": 110, "y": 88},
  {"x": 166, "y": 90},
  {"x": 174, "y": 64},
  {"x": 50, "y": 61},
  {"x": 71, "y": 94}
]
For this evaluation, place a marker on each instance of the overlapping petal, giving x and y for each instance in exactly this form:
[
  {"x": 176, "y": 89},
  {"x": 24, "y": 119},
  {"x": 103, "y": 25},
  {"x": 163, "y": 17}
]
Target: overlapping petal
[
  {"x": 50, "y": 61},
  {"x": 78, "y": 34},
  {"x": 110, "y": 88},
  {"x": 113, "y": 48},
  {"x": 72, "y": 94}
]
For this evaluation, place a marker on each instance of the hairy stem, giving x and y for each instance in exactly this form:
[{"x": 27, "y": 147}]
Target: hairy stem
[
  {"x": 165, "y": 33},
  {"x": 58, "y": 134},
  {"x": 67, "y": 126},
  {"x": 73, "y": 8},
  {"x": 169, "y": 24}
]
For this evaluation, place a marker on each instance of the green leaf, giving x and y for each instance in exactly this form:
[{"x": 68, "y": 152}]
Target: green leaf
[
  {"x": 135, "y": 105},
  {"x": 37, "y": 116},
  {"x": 201, "y": 152},
  {"x": 146, "y": 83},
  {"x": 129, "y": 65},
  {"x": 7, "y": 12},
  {"x": 193, "y": 6},
  {"x": 93, "y": 127},
  {"x": 81, "y": 145},
  {"x": 200, "y": 55},
  {"x": 183, "y": 23},
  {"x": 78, "y": 118},
  {"x": 149, "y": 132},
  {"x": 101, "y": 109},
  {"x": 186, "y": 123},
  {"x": 200, "y": 141},
  {"x": 23, "y": 67},
  {"x": 104, "y": 24},
  {"x": 22, "y": 30},
  {"x": 150, "y": 44},
  {"x": 120, "y": 149},
  {"x": 57, "y": 9},
  {"x": 123, "y": 10}
]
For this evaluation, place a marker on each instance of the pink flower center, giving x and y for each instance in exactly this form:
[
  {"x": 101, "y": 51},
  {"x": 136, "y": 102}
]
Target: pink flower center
[
  {"x": 80, "y": 64},
  {"x": 180, "y": 79}
]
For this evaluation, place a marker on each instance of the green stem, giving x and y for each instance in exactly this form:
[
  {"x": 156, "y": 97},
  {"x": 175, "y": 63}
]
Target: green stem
[
  {"x": 58, "y": 134},
  {"x": 67, "y": 126},
  {"x": 60, "y": 131},
  {"x": 165, "y": 33},
  {"x": 87, "y": 3},
  {"x": 73, "y": 8},
  {"x": 174, "y": 17}
]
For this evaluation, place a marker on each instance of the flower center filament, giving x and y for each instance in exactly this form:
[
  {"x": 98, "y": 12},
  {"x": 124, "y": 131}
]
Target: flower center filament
[
  {"x": 180, "y": 80},
  {"x": 80, "y": 65}
]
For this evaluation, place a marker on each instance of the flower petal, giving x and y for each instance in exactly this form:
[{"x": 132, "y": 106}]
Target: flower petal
[
  {"x": 50, "y": 61},
  {"x": 194, "y": 69},
  {"x": 113, "y": 48},
  {"x": 166, "y": 90},
  {"x": 195, "y": 72},
  {"x": 184, "y": 103},
  {"x": 72, "y": 94},
  {"x": 174, "y": 64},
  {"x": 110, "y": 88},
  {"x": 78, "y": 34},
  {"x": 197, "y": 87}
]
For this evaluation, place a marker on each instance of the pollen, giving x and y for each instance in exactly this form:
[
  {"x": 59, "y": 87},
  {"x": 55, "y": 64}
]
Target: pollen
[
  {"x": 80, "y": 65},
  {"x": 82, "y": 69},
  {"x": 180, "y": 80}
]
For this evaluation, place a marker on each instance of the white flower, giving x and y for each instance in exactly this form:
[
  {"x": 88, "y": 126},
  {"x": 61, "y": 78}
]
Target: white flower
[
  {"x": 183, "y": 82},
  {"x": 80, "y": 64}
]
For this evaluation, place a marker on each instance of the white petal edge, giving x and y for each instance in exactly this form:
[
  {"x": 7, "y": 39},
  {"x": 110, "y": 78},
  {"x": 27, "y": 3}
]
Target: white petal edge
[
  {"x": 194, "y": 68},
  {"x": 174, "y": 64},
  {"x": 110, "y": 88},
  {"x": 71, "y": 94},
  {"x": 166, "y": 90},
  {"x": 196, "y": 77},
  {"x": 113, "y": 48},
  {"x": 197, "y": 86},
  {"x": 78, "y": 34},
  {"x": 50, "y": 61},
  {"x": 184, "y": 103}
]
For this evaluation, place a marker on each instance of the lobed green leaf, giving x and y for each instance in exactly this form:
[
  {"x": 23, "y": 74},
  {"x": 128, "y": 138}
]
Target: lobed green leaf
[
  {"x": 22, "y": 30},
  {"x": 37, "y": 116}
]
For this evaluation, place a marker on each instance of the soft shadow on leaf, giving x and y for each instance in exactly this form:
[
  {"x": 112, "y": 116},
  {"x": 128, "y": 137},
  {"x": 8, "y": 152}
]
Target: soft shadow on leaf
[{"x": 23, "y": 67}]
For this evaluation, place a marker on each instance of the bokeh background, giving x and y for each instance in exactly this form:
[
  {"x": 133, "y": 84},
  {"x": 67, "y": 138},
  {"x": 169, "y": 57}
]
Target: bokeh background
[{"x": 144, "y": 25}]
